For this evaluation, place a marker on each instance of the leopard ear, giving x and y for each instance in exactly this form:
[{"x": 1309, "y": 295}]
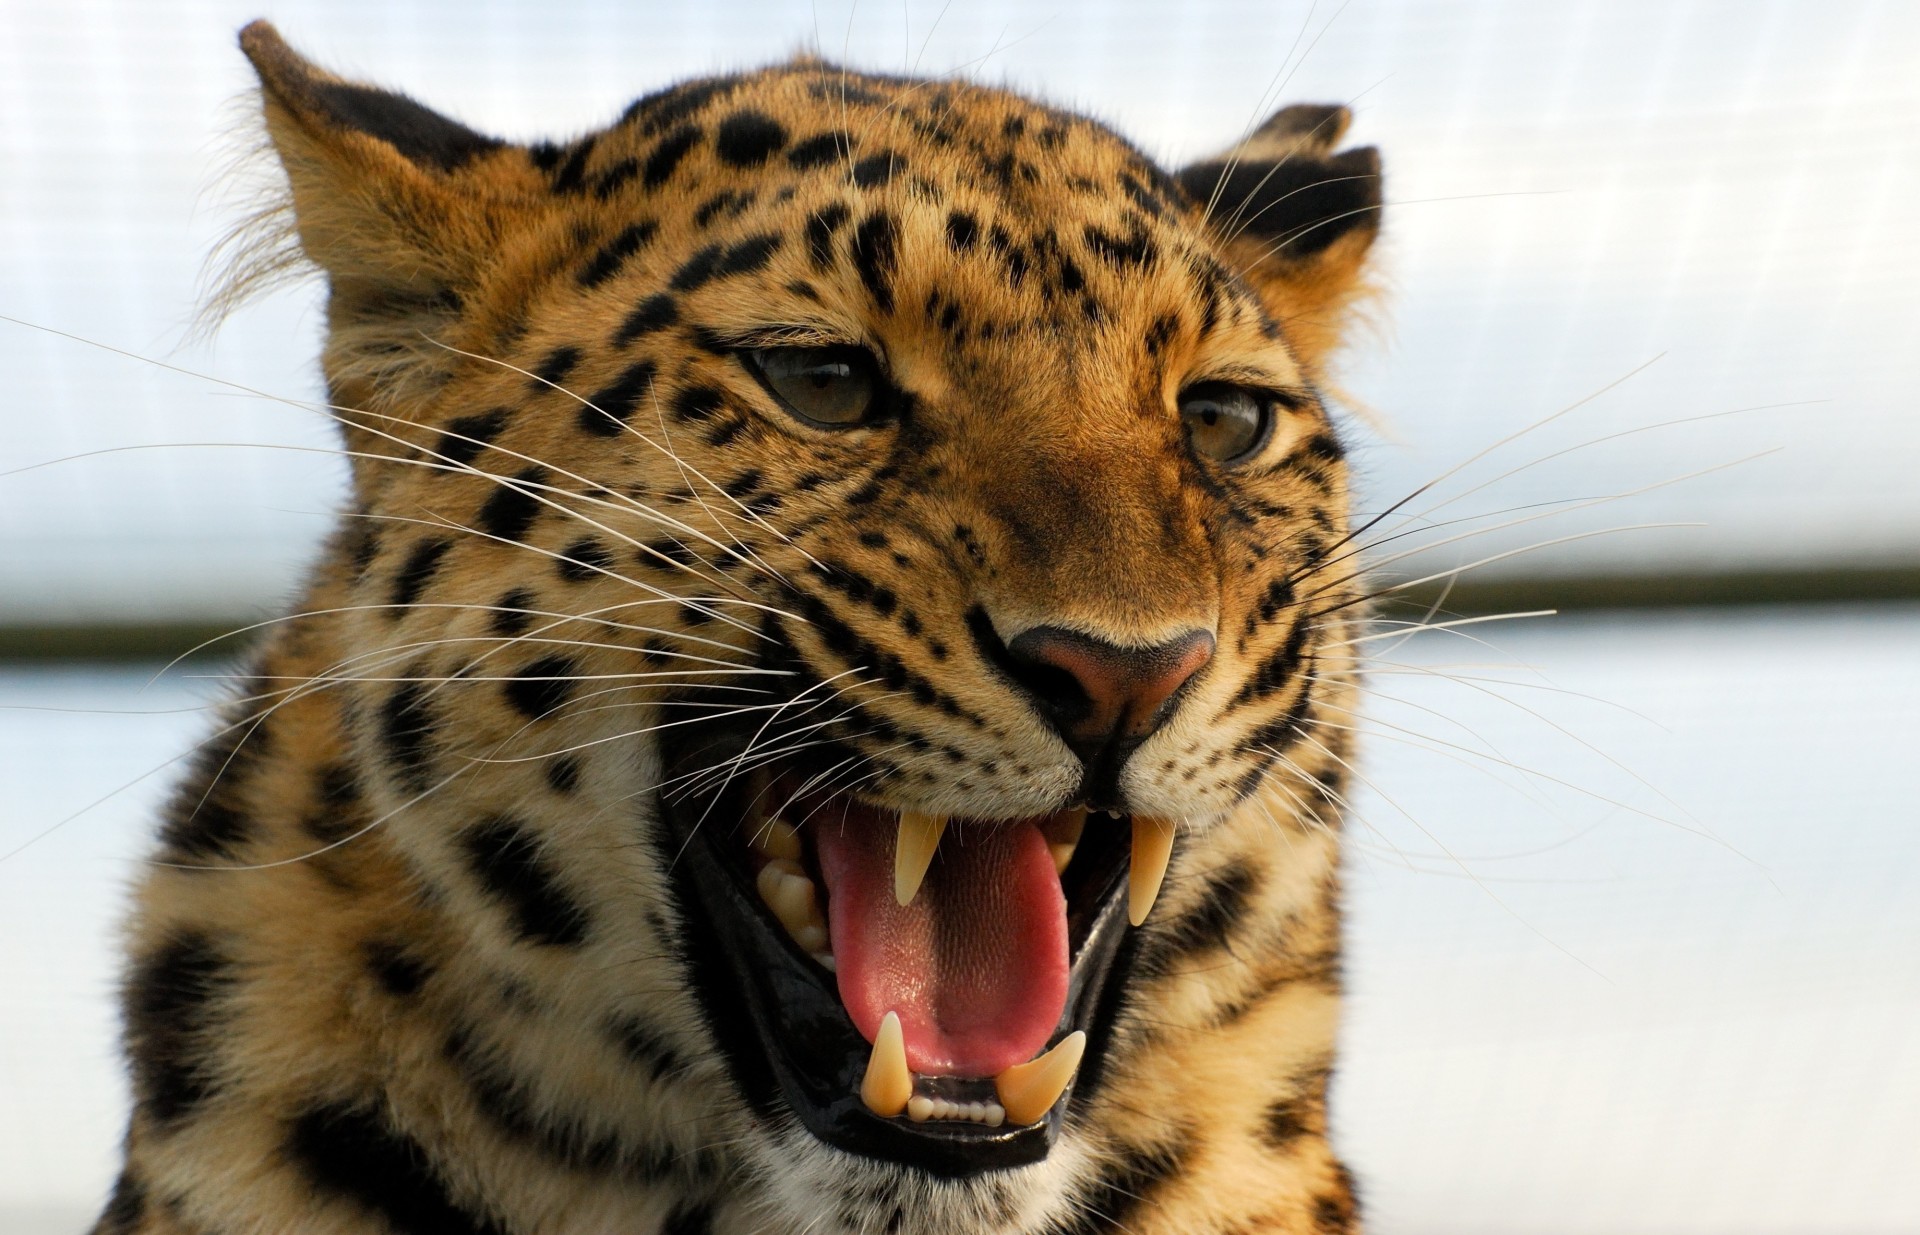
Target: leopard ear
[
  {"x": 1296, "y": 220},
  {"x": 386, "y": 199}
]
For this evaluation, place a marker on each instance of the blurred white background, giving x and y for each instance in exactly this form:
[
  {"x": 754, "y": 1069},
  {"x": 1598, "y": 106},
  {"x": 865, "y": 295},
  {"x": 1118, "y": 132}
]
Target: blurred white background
[{"x": 1677, "y": 991}]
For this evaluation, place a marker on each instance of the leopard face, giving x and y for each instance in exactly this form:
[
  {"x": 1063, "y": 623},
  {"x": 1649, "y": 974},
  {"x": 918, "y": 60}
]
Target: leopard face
[{"x": 824, "y": 548}]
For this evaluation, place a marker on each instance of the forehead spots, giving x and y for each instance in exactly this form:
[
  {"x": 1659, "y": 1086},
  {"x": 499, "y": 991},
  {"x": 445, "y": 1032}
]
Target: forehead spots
[
  {"x": 874, "y": 256},
  {"x": 655, "y": 313},
  {"x": 749, "y": 138},
  {"x": 820, "y": 229},
  {"x": 607, "y": 262},
  {"x": 820, "y": 150},
  {"x": 667, "y": 154}
]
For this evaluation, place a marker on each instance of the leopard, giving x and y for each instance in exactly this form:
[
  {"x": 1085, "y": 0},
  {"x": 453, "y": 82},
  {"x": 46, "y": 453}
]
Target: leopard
[{"x": 824, "y": 707}]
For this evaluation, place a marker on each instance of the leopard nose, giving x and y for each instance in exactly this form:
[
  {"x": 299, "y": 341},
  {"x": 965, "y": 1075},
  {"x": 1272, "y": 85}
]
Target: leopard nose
[{"x": 1098, "y": 694}]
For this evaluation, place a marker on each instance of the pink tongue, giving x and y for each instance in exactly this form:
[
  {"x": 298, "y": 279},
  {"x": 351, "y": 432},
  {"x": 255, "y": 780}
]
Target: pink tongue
[{"x": 976, "y": 967}]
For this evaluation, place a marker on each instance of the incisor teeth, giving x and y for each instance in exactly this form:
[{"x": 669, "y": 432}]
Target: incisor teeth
[
  {"x": 888, "y": 1084},
  {"x": 785, "y": 889},
  {"x": 1029, "y": 1090},
  {"x": 1152, "y": 846},
  {"x": 913, "y": 848}
]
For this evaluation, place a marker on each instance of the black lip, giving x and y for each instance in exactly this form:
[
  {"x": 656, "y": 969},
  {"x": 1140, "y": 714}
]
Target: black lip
[{"x": 789, "y": 1043}]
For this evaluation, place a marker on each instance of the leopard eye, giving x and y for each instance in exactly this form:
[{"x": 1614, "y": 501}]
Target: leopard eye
[
  {"x": 835, "y": 387},
  {"x": 1226, "y": 423}
]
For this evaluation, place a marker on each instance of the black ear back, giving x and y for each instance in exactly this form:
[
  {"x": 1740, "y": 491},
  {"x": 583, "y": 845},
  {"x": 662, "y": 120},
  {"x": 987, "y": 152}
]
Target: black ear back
[
  {"x": 1300, "y": 202},
  {"x": 418, "y": 133},
  {"x": 1285, "y": 185}
]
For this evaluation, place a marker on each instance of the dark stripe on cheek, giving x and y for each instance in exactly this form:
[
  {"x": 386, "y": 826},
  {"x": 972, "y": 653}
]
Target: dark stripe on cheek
[
  {"x": 172, "y": 1001},
  {"x": 415, "y": 574},
  {"x": 350, "y": 1153},
  {"x": 467, "y": 436},
  {"x": 542, "y": 687},
  {"x": 510, "y": 510},
  {"x": 614, "y": 254},
  {"x": 506, "y": 859},
  {"x": 608, "y": 408}
]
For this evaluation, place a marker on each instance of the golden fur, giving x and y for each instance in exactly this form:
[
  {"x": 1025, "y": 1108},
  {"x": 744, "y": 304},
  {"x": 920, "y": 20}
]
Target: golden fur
[{"x": 409, "y": 959}]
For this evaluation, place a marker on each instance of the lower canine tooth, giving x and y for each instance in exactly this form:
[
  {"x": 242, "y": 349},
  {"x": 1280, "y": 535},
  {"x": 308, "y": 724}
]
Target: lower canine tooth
[
  {"x": 913, "y": 848},
  {"x": 1029, "y": 1090},
  {"x": 888, "y": 1085},
  {"x": 1063, "y": 836},
  {"x": 1152, "y": 846}
]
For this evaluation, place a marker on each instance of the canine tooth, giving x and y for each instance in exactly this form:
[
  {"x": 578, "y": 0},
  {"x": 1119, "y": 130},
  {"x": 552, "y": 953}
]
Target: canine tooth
[
  {"x": 913, "y": 848},
  {"x": 825, "y": 961},
  {"x": 1063, "y": 836},
  {"x": 888, "y": 1085},
  {"x": 776, "y": 838},
  {"x": 1029, "y": 1090},
  {"x": 919, "y": 1108},
  {"x": 1152, "y": 846},
  {"x": 812, "y": 938}
]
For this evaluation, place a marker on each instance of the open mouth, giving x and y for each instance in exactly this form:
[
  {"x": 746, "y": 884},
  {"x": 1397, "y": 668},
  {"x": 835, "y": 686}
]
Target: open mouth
[{"x": 933, "y": 991}]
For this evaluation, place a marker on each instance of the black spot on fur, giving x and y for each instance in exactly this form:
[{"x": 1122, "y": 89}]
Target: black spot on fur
[
  {"x": 819, "y": 150},
  {"x": 875, "y": 243},
  {"x": 615, "y": 178},
  {"x": 643, "y": 1045},
  {"x": 572, "y": 174},
  {"x": 609, "y": 407},
  {"x": 612, "y": 255},
  {"x": 172, "y": 1008},
  {"x": 820, "y": 229},
  {"x": 336, "y": 812},
  {"x": 963, "y": 231},
  {"x": 1134, "y": 251},
  {"x": 506, "y": 858},
  {"x": 407, "y": 728},
  {"x": 510, "y": 510},
  {"x": 748, "y": 256},
  {"x": 696, "y": 270},
  {"x": 510, "y": 616},
  {"x": 541, "y": 687},
  {"x": 749, "y": 138},
  {"x": 206, "y": 818},
  {"x": 415, "y": 574},
  {"x": 563, "y": 775},
  {"x": 583, "y": 559},
  {"x": 663, "y": 109},
  {"x": 666, "y": 156},
  {"x": 467, "y": 436},
  {"x": 398, "y": 972},
  {"x": 878, "y": 169},
  {"x": 1285, "y": 1121},
  {"x": 350, "y": 1153},
  {"x": 654, "y": 314},
  {"x": 698, "y": 403}
]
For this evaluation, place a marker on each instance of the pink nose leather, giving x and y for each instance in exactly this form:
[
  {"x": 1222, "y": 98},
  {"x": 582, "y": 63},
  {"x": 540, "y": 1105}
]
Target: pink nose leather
[{"x": 1095, "y": 691}]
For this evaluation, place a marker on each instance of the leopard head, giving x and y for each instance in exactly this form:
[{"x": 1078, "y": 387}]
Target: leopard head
[{"x": 845, "y": 537}]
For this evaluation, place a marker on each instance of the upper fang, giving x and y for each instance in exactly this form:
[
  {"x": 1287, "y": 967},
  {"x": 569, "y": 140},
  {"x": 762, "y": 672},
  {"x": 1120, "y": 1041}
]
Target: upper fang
[{"x": 913, "y": 847}]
